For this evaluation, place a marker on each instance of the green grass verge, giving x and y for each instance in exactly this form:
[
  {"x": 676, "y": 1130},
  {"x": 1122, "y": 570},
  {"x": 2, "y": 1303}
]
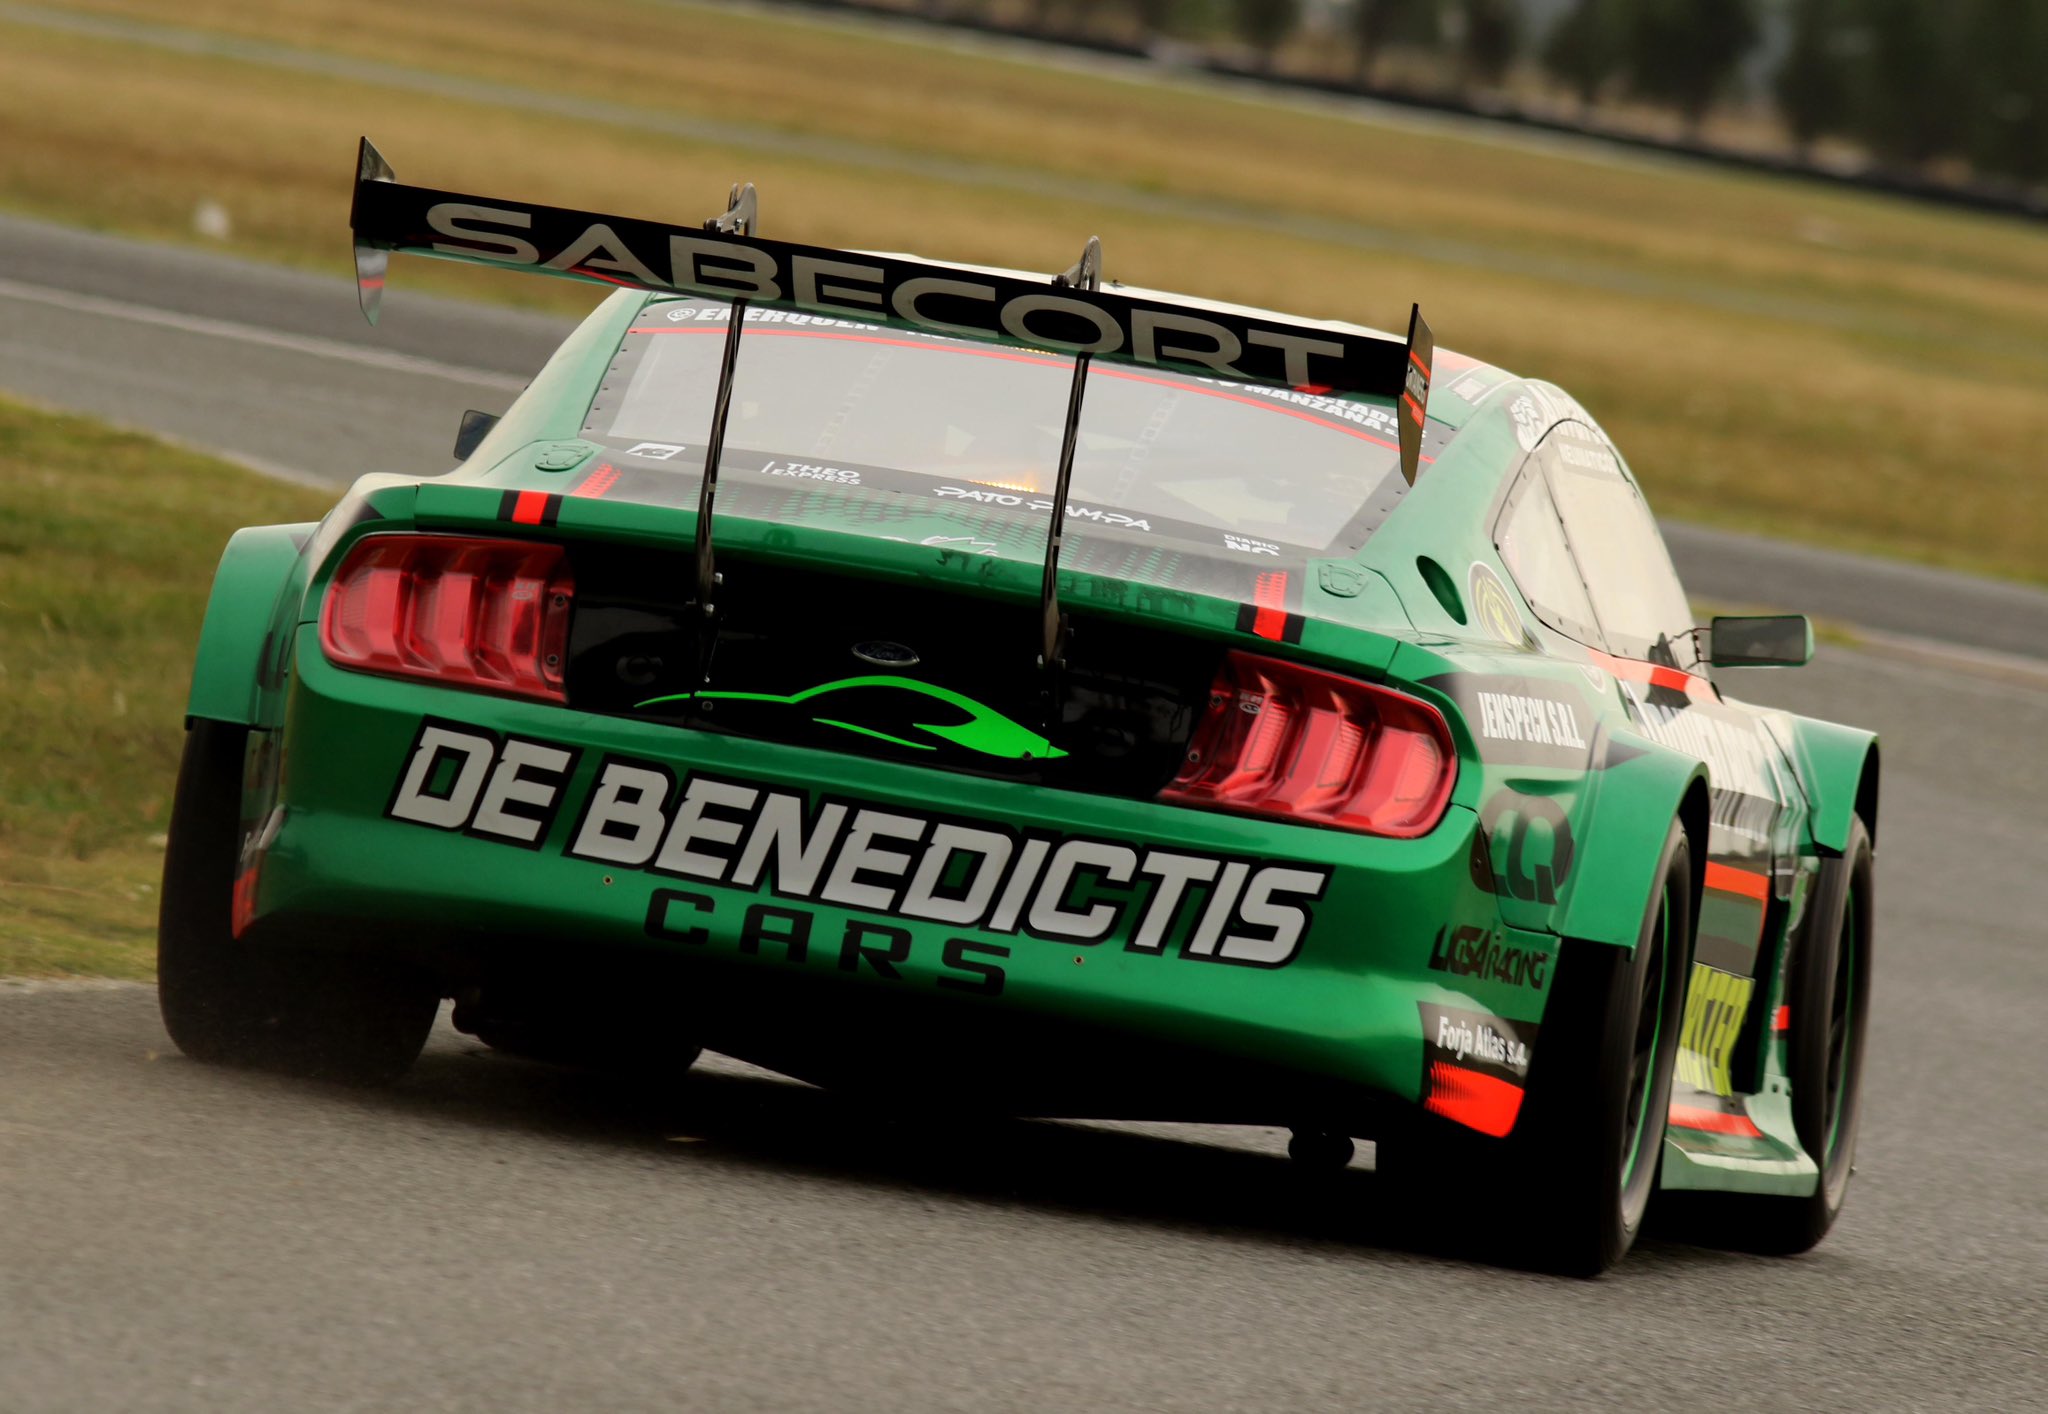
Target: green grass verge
[{"x": 108, "y": 542}]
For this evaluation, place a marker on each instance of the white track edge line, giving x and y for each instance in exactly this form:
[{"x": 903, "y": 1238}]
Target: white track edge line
[{"x": 307, "y": 344}]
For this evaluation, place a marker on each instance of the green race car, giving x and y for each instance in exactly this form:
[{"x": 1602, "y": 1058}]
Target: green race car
[{"x": 1036, "y": 697}]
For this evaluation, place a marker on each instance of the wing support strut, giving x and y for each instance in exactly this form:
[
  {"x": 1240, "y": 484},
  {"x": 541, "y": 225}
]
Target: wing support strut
[
  {"x": 1085, "y": 274},
  {"x": 740, "y": 216}
]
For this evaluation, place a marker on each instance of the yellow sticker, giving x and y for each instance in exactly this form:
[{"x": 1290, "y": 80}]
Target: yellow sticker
[
  {"x": 1714, "y": 1007},
  {"x": 1493, "y": 606}
]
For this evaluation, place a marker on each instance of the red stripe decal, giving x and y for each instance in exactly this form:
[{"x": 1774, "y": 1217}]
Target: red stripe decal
[
  {"x": 1414, "y": 408},
  {"x": 1652, "y": 673},
  {"x": 530, "y": 507},
  {"x": 1724, "y": 879},
  {"x": 1783, "y": 1020},
  {"x": 1270, "y": 594},
  {"x": 1416, "y": 359},
  {"x": 1714, "y": 1122},
  {"x": 599, "y": 481},
  {"x": 1476, "y": 1100}
]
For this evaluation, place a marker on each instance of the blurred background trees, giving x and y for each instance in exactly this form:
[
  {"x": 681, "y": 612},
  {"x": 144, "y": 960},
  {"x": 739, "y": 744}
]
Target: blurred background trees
[
  {"x": 1955, "y": 89},
  {"x": 1262, "y": 24}
]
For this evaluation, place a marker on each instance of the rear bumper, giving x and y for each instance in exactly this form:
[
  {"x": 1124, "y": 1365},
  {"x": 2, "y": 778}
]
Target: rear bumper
[{"x": 1120, "y": 948}]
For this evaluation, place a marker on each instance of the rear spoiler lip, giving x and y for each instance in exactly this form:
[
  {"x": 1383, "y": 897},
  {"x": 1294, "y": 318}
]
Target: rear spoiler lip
[{"x": 387, "y": 215}]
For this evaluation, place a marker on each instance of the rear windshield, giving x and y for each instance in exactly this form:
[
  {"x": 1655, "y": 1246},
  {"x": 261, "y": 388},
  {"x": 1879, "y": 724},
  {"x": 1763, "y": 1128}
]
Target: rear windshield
[{"x": 838, "y": 401}]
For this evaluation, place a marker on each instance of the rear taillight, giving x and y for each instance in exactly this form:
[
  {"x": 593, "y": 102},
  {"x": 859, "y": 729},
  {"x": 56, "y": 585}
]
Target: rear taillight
[
  {"x": 485, "y": 614},
  {"x": 1315, "y": 748}
]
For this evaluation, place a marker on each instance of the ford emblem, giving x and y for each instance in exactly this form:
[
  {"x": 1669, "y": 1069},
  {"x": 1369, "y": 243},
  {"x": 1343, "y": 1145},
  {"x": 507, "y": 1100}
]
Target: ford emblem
[{"x": 884, "y": 654}]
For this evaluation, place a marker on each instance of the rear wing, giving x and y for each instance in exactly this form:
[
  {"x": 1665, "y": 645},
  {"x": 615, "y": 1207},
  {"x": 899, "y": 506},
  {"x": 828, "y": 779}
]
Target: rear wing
[{"x": 725, "y": 259}]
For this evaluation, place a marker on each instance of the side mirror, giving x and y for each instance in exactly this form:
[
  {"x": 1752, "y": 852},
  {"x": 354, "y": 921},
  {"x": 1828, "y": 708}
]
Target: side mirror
[
  {"x": 1768, "y": 641},
  {"x": 475, "y": 427}
]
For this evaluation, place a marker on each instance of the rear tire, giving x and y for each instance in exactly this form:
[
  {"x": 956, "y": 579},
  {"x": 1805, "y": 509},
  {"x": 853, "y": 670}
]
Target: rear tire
[
  {"x": 1828, "y": 992},
  {"x": 1591, "y": 1133},
  {"x": 1586, "y": 1146},
  {"x": 326, "y": 1015}
]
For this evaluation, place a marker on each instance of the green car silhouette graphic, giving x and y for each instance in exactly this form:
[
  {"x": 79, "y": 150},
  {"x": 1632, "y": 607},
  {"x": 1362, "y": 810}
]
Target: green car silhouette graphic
[{"x": 984, "y": 730}]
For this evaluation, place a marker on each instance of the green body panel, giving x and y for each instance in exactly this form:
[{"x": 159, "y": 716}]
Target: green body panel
[
  {"x": 1838, "y": 766},
  {"x": 1619, "y": 828},
  {"x": 248, "y": 588}
]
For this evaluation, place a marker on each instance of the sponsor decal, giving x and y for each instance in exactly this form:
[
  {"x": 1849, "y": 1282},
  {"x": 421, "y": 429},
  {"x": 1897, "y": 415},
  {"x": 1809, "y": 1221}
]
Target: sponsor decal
[
  {"x": 982, "y": 495},
  {"x": 902, "y": 864},
  {"x": 657, "y": 451},
  {"x": 986, "y": 731},
  {"x": 1530, "y": 420},
  {"x": 1537, "y": 409},
  {"x": 1472, "y": 952},
  {"x": 1494, "y": 607},
  {"x": 1468, "y": 1038},
  {"x": 1587, "y": 458},
  {"x": 1523, "y": 720},
  {"x": 768, "y": 930},
  {"x": 1523, "y": 848},
  {"x": 722, "y": 314},
  {"x": 809, "y": 471},
  {"x": 965, "y": 544},
  {"x": 1733, "y": 748},
  {"x": 1367, "y": 415},
  {"x": 503, "y": 788},
  {"x": 1715, "y": 1005},
  {"x": 1474, "y": 1067},
  {"x": 1245, "y": 545},
  {"x": 944, "y": 299},
  {"x": 1514, "y": 716}
]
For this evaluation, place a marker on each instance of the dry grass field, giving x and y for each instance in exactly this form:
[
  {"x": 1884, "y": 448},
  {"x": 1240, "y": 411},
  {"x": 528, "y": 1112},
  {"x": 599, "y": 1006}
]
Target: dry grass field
[{"x": 1774, "y": 356}]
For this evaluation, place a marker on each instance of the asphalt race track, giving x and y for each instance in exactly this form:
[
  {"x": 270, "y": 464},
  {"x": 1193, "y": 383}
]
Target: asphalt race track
[{"x": 495, "y": 1235}]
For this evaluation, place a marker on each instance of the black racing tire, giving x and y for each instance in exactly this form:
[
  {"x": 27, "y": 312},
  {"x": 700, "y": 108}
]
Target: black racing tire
[
  {"x": 325, "y": 1015},
  {"x": 1588, "y": 1142},
  {"x": 1591, "y": 1133},
  {"x": 1828, "y": 992}
]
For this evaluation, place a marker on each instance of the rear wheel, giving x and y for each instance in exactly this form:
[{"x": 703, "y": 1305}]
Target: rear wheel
[
  {"x": 1828, "y": 994},
  {"x": 1586, "y": 1145},
  {"x": 1591, "y": 1133},
  {"x": 328, "y": 1015}
]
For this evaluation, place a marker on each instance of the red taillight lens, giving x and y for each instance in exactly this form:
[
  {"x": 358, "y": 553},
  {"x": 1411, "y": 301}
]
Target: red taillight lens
[
  {"x": 1318, "y": 749},
  {"x": 485, "y": 614}
]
